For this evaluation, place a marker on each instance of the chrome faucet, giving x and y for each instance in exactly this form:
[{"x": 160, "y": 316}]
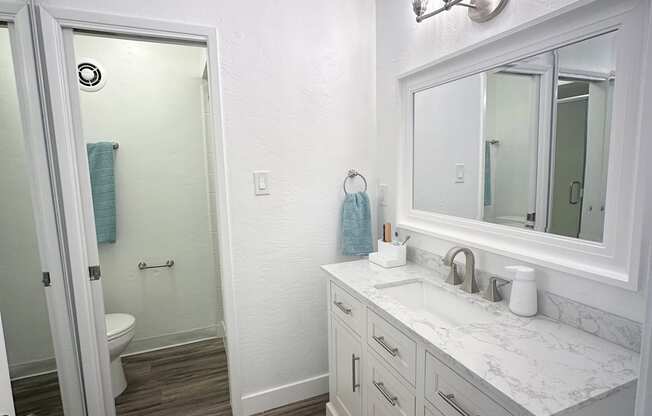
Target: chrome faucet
[{"x": 468, "y": 282}]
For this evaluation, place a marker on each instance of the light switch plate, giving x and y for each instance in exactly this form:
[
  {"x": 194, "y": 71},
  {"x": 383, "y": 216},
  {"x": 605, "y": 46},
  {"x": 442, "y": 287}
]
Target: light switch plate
[
  {"x": 261, "y": 182},
  {"x": 382, "y": 194},
  {"x": 459, "y": 173}
]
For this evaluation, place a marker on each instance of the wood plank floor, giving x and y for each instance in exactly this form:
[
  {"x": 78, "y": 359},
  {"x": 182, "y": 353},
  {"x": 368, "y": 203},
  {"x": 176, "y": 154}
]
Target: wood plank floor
[{"x": 189, "y": 380}]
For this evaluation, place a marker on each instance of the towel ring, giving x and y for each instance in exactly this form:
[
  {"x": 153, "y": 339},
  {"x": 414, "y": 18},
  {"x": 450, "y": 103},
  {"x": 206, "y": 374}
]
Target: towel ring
[{"x": 352, "y": 174}]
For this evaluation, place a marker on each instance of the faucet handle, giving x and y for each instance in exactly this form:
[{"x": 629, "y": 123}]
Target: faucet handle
[{"x": 492, "y": 294}]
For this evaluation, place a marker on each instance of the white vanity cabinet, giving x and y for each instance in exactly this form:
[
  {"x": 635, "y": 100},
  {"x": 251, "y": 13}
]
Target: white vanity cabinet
[
  {"x": 376, "y": 370},
  {"x": 378, "y": 367}
]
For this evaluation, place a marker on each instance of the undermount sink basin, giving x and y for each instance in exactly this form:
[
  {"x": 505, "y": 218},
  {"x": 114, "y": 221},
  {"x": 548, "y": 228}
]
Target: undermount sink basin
[{"x": 442, "y": 307}]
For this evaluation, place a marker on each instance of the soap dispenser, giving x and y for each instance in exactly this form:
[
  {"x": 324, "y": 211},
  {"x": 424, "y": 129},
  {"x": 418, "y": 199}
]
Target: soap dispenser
[{"x": 523, "y": 299}]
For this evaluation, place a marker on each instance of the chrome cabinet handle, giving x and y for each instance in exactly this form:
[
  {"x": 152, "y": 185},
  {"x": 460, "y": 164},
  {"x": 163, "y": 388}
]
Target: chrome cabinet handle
[
  {"x": 450, "y": 400},
  {"x": 343, "y": 308},
  {"x": 381, "y": 388},
  {"x": 571, "y": 188},
  {"x": 354, "y": 382},
  {"x": 381, "y": 340}
]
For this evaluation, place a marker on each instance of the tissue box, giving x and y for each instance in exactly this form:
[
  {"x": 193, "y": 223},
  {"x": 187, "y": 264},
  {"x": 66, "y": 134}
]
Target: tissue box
[{"x": 389, "y": 255}]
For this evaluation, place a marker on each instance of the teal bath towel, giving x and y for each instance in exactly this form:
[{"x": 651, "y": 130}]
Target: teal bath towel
[
  {"x": 356, "y": 225},
  {"x": 100, "y": 165}
]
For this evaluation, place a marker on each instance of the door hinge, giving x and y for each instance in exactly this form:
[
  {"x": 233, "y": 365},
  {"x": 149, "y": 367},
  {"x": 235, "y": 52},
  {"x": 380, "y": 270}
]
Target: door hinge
[
  {"x": 94, "y": 272},
  {"x": 46, "y": 279}
]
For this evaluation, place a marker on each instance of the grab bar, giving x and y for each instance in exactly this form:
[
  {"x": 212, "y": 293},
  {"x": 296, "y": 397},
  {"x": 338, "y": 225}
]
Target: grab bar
[{"x": 143, "y": 266}]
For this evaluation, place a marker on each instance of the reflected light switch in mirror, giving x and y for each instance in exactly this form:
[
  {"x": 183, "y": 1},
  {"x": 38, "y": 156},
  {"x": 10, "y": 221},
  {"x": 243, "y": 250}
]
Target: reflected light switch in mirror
[
  {"x": 261, "y": 182},
  {"x": 459, "y": 173},
  {"x": 382, "y": 195}
]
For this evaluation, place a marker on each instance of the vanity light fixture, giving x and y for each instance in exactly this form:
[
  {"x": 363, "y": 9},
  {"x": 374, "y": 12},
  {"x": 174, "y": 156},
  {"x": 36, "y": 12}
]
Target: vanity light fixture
[{"x": 479, "y": 10}]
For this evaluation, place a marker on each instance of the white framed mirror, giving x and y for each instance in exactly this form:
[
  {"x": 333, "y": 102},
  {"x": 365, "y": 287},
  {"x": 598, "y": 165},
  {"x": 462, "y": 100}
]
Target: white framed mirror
[{"x": 531, "y": 152}]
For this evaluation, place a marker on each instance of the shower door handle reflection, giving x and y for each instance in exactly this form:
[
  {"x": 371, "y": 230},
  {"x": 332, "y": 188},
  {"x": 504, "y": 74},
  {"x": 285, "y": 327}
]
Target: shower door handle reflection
[{"x": 574, "y": 197}]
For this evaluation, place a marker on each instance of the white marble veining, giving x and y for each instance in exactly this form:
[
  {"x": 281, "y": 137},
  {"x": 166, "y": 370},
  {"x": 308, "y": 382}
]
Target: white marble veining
[
  {"x": 616, "y": 329},
  {"x": 542, "y": 366}
]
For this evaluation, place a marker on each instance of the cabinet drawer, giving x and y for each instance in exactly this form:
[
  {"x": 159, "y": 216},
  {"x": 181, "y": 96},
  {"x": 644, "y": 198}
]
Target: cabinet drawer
[
  {"x": 395, "y": 347},
  {"x": 348, "y": 309},
  {"x": 427, "y": 411},
  {"x": 454, "y": 396},
  {"x": 387, "y": 396}
]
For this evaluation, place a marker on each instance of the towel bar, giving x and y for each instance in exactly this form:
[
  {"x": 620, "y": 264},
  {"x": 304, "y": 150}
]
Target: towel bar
[{"x": 143, "y": 266}]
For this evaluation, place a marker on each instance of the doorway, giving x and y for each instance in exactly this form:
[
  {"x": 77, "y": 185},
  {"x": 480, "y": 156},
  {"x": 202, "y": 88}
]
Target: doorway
[{"x": 144, "y": 119}]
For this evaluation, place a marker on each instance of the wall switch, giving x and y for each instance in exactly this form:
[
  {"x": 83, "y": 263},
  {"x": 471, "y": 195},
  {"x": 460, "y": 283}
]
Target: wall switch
[
  {"x": 382, "y": 194},
  {"x": 261, "y": 182},
  {"x": 459, "y": 173}
]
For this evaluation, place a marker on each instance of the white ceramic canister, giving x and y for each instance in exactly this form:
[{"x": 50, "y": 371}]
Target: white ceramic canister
[{"x": 523, "y": 299}]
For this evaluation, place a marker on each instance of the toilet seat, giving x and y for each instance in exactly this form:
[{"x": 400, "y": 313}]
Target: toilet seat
[{"x": 118, "y": 324}]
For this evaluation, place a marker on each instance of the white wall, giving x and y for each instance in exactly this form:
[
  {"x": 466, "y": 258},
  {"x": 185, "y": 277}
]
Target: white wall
[
  {"x": 298, "y": 100},
  {"x": 446, "y": 134},
  {"x": 402, "y": 45},
  {"x": 152, "y": 106},
  {"x": 22, "y": 299}
]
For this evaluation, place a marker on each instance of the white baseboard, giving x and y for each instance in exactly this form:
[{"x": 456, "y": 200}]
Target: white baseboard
[
  {"x": 138, "y": 346},
  {"x": 32, "y": 368},
  {"x": 330, "y": 410},
  {"x": 286, "y": 394}
]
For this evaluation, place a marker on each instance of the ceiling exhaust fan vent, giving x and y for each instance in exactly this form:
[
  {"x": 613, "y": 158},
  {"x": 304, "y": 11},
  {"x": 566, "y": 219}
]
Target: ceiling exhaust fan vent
[{"x": 91, "y": 75}]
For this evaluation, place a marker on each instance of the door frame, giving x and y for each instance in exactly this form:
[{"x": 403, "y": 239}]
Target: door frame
[
  {"x": 46, "y": 213},
  {"x": 6, "y": 396},
  {"x": 54, "y": 24}
]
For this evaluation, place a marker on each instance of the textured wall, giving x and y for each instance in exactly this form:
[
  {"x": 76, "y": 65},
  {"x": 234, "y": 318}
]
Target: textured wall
[
  {"x": 403, "y": 45},
  {"x": 298, "y": 99}
]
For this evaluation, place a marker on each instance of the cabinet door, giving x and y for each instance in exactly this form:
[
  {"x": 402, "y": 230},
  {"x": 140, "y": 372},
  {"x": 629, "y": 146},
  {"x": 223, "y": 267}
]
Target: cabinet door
[{"x": 348, "y": 370}]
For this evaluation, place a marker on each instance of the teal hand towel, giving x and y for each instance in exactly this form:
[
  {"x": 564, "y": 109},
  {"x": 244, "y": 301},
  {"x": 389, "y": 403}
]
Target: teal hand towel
[
  {"x": 487, "y": 174},
  {"x": 100, "y": 165},
  {"x": 356, "y": 225}
]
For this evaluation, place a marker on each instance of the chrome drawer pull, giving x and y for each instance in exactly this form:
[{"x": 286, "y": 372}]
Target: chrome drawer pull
[
  {"x": 381, "y": 340},
  {"x": 381, "y": 388},
  {"x": 343, "y": 308},
  {"x": 353, "y": 360},
  {"x": 450, "y": 400}
]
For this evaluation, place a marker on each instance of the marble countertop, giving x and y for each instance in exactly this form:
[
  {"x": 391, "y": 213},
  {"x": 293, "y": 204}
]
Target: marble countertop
[{"x": 544, "y": 367}]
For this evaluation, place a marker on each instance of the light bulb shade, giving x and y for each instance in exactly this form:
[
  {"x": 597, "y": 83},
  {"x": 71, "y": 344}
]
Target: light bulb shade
[{"x": 419, "y": 7}]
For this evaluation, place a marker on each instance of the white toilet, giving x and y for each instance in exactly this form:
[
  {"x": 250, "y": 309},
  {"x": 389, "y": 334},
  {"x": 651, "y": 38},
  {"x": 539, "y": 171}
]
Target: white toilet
[{"x": 120, "y": 332}]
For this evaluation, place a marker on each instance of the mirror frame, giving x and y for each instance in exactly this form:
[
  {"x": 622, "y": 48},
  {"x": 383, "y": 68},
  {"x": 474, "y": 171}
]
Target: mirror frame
[{"x": 617, "y": 259}]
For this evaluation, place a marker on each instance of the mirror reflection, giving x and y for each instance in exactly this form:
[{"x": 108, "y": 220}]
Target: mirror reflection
[{"x": 523, "y": 145}]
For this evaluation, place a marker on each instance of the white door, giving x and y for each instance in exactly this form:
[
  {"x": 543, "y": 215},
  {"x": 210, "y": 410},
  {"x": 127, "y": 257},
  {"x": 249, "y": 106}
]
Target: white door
[
  {"x": 6, "y": 398},
  {"x": 348, "y": 371},
  {"x": 39, "y": 338}
]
